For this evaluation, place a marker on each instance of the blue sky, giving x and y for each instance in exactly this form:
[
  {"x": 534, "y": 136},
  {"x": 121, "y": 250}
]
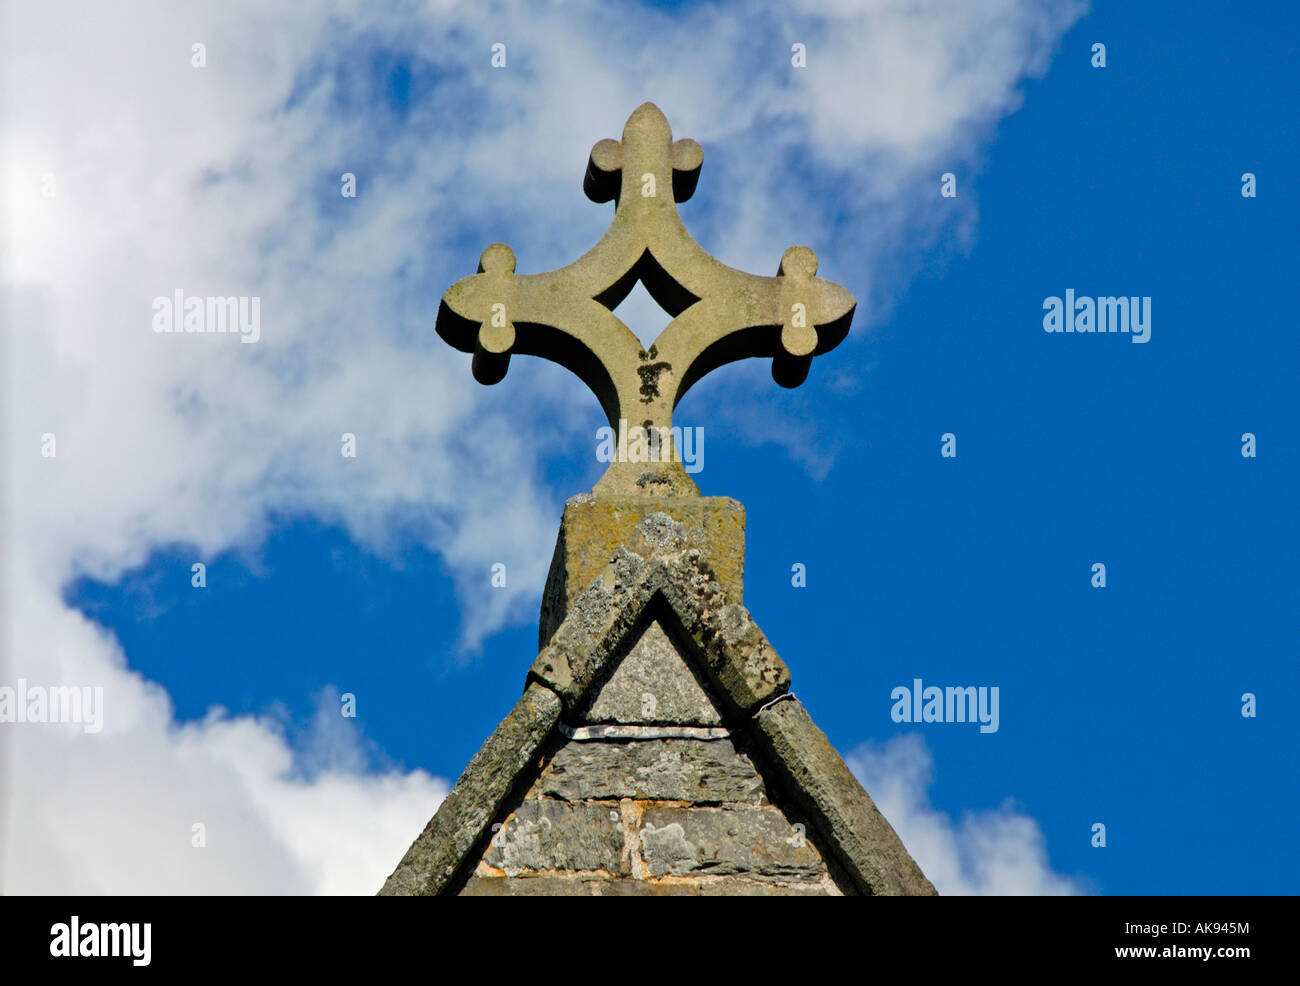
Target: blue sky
[{"x": 1119, "y": 705}]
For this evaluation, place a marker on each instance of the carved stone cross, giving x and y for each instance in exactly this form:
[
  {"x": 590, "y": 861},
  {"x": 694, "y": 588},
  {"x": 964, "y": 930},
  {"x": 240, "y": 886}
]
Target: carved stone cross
[{"x": 719, "y": 314}]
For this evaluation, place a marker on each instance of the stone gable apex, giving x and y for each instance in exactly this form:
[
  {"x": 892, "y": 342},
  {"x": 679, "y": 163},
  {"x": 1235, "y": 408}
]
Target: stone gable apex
[{"x": 672, "y": 586}]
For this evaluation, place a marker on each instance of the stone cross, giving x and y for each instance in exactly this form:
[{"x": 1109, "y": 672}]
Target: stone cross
[{"x": 719, "y": 314}]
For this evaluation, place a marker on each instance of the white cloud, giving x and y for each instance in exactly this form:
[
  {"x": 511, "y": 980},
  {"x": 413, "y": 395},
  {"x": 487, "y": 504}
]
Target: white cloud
[
  {"x": 223, "y": 181},
  {"x": 995, "y": 852},
  {"x": 113, "y": 812}
]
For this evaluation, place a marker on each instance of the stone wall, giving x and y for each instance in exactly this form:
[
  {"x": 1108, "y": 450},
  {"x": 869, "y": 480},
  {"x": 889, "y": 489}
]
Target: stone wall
[
  {"x": 657, "y": 748},
  {"x": 649, "y": 792}
]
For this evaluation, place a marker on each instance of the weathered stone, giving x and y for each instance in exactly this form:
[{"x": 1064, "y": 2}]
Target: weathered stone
[
  {"x": 826, "y": 790},
  {"x": 533, "y": 885},
  {"x": 435, "y": 856},
  {"x": 594, "y": 530},
  {"x": 752, "y": 841},
  {"x": 587, "y": 885},
  {"x": 558, "y": 835},
  {"x": 742, "y": 671},
  {"x": 738, "y": 662},
  {"x": 698, "y": 771},
  {"x": 652, "y": 683},
  {"x": 742, "y": 662}
]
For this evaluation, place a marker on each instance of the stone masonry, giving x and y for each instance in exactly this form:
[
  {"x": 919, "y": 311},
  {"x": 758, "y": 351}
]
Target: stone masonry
[
  {"x": 643, "y": 814},
  {"x": 657, "y": 748}
]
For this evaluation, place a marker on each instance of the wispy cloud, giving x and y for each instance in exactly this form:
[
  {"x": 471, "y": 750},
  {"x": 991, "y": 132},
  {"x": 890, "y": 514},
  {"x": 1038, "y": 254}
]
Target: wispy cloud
[{"x": 993, "y": 852}]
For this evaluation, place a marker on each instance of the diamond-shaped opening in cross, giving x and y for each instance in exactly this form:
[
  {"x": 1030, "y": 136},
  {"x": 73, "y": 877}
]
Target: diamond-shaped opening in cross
[
  {"x": 642, "y": 314},
  {"x": 634, "y": 295}
]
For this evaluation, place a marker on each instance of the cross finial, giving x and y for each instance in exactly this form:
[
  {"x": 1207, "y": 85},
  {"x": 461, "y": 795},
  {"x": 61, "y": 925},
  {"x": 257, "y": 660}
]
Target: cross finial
[{"x": 719, "y": 314}]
